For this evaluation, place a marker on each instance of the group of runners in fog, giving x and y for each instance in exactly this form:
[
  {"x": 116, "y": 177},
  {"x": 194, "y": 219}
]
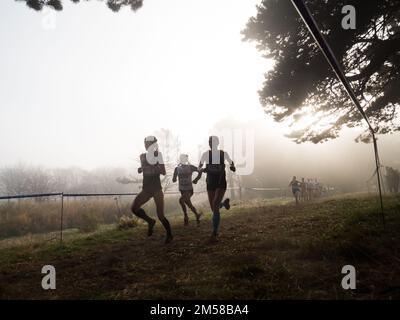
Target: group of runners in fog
[
  {"x": 306, "y": 189},
  {"x": 212, "y": 163}
]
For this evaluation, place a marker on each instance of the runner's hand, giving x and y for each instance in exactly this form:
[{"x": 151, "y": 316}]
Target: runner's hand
[{"x": 140, "y": 170}]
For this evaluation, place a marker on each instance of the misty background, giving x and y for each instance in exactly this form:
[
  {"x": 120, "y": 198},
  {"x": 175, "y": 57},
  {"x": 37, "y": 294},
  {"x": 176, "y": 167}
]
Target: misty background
[{"x": 81, "y": 88}]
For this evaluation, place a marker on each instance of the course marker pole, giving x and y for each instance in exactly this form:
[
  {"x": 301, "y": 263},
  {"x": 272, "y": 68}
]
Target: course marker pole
[{"x": 62, "y": 218}]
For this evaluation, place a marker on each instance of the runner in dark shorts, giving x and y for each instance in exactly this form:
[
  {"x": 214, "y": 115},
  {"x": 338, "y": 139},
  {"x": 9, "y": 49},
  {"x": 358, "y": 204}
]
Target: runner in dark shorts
[
  {"x": 216, "y": 180},
  {"x": 296, "y": 188},
  {"x": 184, "y": 173},
  {"x": 152, "y": 166}
]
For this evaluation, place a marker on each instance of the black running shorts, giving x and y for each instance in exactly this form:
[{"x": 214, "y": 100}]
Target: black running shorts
[{"x": 216, "y": 181}]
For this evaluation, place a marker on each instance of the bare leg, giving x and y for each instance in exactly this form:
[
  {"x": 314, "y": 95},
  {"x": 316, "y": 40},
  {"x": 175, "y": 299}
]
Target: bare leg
[
  {"x": 136, "y": 209},
  {"x": 159, "y": 201},
  {"x": 140, "y": 200},
  {"x": 182, "y": 203},
  {"x": 186, "y": 198}
]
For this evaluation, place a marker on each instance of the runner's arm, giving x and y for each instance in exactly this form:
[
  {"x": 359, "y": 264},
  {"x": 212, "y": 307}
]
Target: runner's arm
[
  {"x": 175, "y": 175},
  {"x": 140, "y": 169},
  {"x": 160, "y": 165},
  {"x": 200, "y": 172},
  {"x": 203, "y": 160},
  {"x": 200, "y": 168},
  {"x": 229, "y": 160}
]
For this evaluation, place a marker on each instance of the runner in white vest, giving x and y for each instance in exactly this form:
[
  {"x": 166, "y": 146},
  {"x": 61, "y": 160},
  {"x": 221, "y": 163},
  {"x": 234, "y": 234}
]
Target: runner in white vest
[{"x": 184, "y": 172}]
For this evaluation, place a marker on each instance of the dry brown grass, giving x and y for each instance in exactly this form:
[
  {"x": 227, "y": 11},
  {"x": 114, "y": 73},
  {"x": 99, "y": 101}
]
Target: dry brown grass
[
  {"x": 41, "y": 220},
  {"x": 266, "y": 251}
]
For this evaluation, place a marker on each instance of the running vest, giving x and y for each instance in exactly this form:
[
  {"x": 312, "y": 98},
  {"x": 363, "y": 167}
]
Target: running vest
[
  {"x": 148, "y": 169},
  {"x": 185, "y": 177},
  {"x": 151, "y": 176},
  {"x": 296, "y": 185},
  {"x": 216, "y": 168}
]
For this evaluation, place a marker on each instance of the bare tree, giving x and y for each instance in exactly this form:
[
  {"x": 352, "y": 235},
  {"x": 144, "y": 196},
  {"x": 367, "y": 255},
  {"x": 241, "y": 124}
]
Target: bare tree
[
  {"x": 22, "y": 180},
  {"x": 170, "y": 148}
]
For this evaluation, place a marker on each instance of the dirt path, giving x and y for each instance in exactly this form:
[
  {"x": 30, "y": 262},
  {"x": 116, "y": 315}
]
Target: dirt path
[{"x": 263, "y": 253}]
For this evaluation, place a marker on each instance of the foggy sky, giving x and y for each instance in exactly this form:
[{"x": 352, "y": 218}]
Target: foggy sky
[{"x": 84, "y": 86}]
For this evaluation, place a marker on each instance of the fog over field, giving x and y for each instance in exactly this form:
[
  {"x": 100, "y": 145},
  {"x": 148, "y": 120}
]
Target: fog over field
[
  {"x": 84, "y": 86},
  {"x": 263, "y": 183}
]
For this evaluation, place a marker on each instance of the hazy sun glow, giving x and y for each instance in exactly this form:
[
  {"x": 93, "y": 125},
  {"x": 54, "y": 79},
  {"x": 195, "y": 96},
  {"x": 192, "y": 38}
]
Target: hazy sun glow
[
  {"x": 87, "y": 91},
  {"x": 306, "y": 118}
]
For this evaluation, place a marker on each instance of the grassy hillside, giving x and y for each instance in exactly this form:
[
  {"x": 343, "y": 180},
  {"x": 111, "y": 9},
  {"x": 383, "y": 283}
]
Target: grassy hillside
[{"x": 266, "y": 251}]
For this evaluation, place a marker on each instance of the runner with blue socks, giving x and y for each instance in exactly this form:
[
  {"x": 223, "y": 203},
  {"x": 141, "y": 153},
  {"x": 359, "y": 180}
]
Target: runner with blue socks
[{"x": 215, "y": 159}]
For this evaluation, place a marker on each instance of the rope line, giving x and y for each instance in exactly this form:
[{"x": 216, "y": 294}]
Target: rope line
[{"x": 77, "y": 195}]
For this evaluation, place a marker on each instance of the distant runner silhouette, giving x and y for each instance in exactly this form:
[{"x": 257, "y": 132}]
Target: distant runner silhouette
[{"x": 296, "y": 188}]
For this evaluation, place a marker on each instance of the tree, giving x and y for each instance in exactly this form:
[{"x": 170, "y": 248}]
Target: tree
[
  {"x": 302, "y": 83},
  {"x": 114, "y": 5},
  {"x": 26, "y": 180},
  {"x": 170, "y": 148}
]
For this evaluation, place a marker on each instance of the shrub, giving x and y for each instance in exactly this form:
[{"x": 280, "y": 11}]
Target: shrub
[{"x": 127, "y": 223}]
